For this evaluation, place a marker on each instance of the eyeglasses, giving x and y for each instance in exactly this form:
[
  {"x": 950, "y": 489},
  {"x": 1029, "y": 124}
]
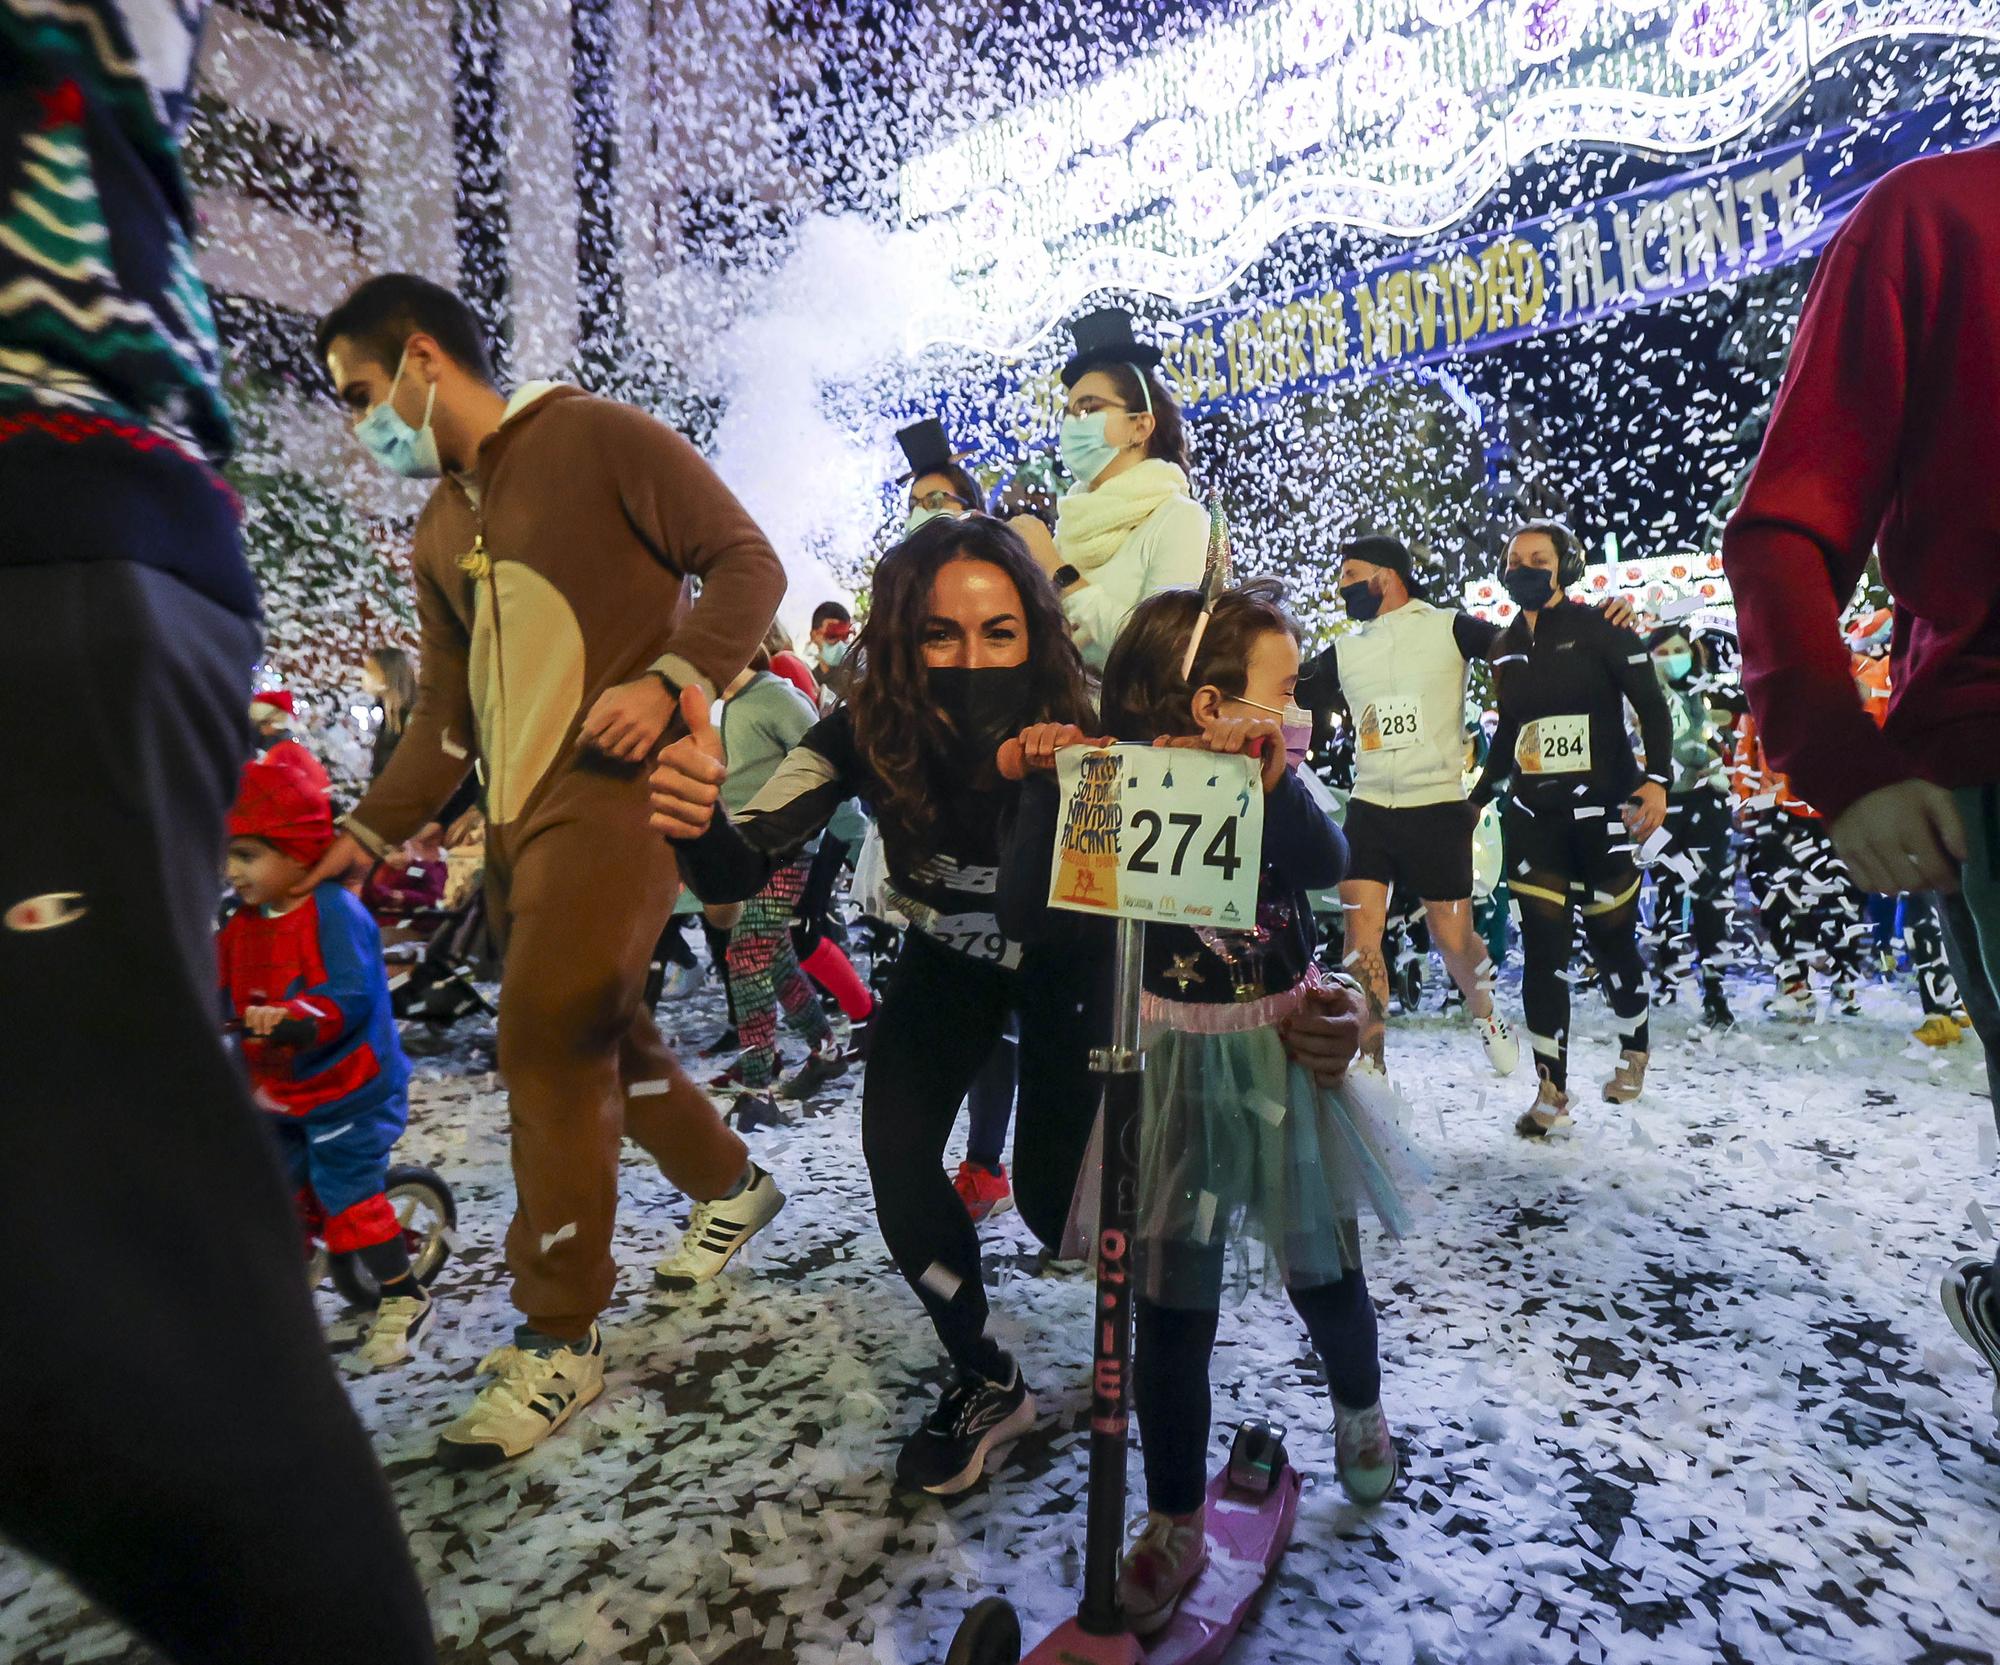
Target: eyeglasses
[
  {"x": 1090, "y": 405},
  {"x": 938, "y": 499}
]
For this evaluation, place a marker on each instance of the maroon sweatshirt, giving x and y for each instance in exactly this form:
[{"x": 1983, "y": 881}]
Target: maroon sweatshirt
[{"x": 1886, "y": 434}]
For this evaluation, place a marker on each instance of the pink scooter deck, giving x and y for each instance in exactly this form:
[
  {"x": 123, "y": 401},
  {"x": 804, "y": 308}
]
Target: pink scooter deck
[{"x": 1245, "y": 1538}]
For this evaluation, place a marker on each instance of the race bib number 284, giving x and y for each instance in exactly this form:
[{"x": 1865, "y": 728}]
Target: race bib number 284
[{"x": 1157, "y": 834}]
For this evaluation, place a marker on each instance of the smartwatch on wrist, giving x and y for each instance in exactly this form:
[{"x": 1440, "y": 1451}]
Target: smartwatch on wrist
[{"x": 1064, "y": 576}]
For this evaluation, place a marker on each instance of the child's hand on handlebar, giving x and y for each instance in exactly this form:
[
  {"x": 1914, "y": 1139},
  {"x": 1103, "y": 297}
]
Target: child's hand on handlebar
[{"x": 261, "y": 1020}]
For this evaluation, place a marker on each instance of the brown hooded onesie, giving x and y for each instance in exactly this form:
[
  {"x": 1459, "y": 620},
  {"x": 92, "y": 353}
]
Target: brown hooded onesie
[{"x": 558, "y": 571}]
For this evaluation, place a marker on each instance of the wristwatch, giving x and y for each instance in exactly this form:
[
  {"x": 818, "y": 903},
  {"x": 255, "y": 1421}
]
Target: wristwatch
[{"x": 1064, "y": 576}]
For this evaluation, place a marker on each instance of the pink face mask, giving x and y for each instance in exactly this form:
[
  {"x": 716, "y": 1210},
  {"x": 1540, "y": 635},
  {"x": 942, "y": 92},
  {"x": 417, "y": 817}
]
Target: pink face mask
[{"x": 1295, "y": 722}]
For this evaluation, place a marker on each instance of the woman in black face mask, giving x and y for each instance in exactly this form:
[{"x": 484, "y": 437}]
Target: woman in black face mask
[
  {"x": 964, "y": 646},
  {"x": 1579, "y": 804}
]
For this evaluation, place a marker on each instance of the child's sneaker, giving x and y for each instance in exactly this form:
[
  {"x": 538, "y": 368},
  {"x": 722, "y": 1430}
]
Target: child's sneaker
[
  {"x": 538, "y": 1384},
  {"x": 401, "y": 1323},
  {"x": 716, "y": 1230},
  {"x": 1167, "y": 1555},
  {"x": 983, "y": 1190},
  {"x": 1364, "y": 1453}
]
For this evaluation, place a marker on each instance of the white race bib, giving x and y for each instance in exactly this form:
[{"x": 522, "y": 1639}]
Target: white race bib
[
  {"x": 1554, "y": 746},
  {"x": 1390, "y": 723}
]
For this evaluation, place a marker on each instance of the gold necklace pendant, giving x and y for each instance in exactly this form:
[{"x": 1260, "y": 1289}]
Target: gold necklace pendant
[{"x": 475, "y": 560}]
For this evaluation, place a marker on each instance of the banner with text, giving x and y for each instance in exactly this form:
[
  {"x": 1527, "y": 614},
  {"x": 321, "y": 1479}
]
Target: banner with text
[{"x": 1594, "y": 260}]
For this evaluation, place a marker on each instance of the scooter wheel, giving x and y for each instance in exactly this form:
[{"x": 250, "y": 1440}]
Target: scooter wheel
[
  {"x": 1256, "y": 1458},
  {"x": 425, "y": 1205},
  {"x": 989, "y": 1635}
]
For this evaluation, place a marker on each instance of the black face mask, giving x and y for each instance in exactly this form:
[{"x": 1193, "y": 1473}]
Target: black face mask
[
  {"x": 1362, "y": 601},
  {"x": 1531, "y": 587},
  {"x": 985, "y": 706}
]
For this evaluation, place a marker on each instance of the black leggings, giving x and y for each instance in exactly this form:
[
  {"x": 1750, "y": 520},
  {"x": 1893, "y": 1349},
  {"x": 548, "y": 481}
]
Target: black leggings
[
  {"x": 1923, "y": 937},
  {"x": 1171, "y": 1348},
  {"x": 1807, "y": 899},
  {"x": 939, "y": 1021},
  {"x": 1566, "y": 857},
  {"x": 1699, "y": 822},
  {"x": 990, "y": 1107}
]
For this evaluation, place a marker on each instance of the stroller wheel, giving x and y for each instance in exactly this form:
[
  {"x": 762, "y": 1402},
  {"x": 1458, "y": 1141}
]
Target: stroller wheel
[{"x": 428, "y": 1211}]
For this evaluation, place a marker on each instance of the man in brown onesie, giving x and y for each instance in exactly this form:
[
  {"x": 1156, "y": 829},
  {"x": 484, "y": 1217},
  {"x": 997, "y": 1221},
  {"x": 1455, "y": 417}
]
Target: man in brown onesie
[{"x": 552, "y": 568}]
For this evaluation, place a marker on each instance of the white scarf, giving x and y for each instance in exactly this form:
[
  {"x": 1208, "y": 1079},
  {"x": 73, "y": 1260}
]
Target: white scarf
[{"x": 1092, "y": 526}]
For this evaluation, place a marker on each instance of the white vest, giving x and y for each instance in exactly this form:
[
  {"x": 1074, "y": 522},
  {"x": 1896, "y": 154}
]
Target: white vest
[{"x": 1397, "y": 670}]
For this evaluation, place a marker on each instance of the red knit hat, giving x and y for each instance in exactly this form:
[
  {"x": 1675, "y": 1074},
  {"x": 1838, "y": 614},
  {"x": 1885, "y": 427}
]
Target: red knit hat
[
  {"x": 280, "y": 806},
  {"x": 268, "y": 702}
]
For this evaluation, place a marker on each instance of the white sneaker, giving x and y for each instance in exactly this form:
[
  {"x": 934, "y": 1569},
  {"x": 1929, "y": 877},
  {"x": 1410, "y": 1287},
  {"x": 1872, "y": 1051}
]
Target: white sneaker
[
  {"x": 716, "y": 1230},
  {"x": 534, "y": 1391},
  {"x": 682, "y": 981},
  {"x": 1793, "y": 1003},
  {"x": 401, "y": 1323},
  {"x": 1503, "y": 1049}
]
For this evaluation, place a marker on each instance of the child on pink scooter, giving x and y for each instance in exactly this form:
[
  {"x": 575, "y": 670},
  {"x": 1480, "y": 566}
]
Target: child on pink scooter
[{"x": 1235, "y": 1140}]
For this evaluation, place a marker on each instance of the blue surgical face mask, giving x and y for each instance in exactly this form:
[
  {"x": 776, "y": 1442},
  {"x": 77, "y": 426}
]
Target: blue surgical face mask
[
  {"x": 1086, "y": 453},
  {"x": 392, "y": 442},
  {"x": 831, "y": 653},
  {"x": 1676, "y": 665}
]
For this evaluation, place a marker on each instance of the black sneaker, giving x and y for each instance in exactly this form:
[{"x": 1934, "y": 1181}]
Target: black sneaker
[
  {"x": 723, "y": 1043},
  {"x": 756, "y": 1110},
  {"x": 1715, "y": 1012},
  {"x": 823, "y": 1064},
  {"x": 858, "y": 1039},
  {"x": 1971, "y": 1296},
  {"x": 948, "y": 1453}
]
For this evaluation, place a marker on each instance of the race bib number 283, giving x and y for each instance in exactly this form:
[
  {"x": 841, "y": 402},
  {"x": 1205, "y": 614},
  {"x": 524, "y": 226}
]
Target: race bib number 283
[
  {"x": 1158, "y": 834},
  {"x": 1390, "y": 723}
]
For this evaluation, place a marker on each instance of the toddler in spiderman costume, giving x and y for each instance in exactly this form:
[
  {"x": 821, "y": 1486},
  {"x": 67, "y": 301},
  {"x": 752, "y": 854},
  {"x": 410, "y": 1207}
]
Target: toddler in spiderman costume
[{"x": 303, "y": 978}]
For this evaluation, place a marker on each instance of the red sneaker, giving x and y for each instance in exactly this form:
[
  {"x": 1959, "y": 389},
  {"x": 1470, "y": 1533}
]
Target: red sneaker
[{"x": 982, "y": 1191}]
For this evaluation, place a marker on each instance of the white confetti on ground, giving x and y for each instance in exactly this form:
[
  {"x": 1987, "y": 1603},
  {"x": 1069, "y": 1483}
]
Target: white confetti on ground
[{"x": 1677, "y": 1389}]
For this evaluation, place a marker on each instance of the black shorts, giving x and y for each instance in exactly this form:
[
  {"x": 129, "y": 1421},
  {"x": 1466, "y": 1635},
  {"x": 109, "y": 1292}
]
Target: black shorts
[
  {"x": 1570, "y": 851},
  {"x": 1424, "y": 851}
]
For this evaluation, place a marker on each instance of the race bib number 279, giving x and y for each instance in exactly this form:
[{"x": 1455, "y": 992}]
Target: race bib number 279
[{"x": 1158, "y": 834}]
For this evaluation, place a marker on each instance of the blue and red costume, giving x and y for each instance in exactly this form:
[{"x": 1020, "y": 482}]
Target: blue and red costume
[
  {"x": 332, "y": 1075},
  {"x": 336, "y": 1092}
]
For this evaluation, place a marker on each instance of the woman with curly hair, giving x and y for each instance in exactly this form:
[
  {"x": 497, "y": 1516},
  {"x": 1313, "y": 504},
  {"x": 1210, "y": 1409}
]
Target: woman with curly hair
[{"x": 965, "y": 645}]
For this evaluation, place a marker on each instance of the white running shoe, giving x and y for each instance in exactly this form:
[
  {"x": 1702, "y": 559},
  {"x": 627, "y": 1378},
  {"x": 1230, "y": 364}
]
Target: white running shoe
[
  {"x": 1794, "y": 1003},
  {"x": 716, "y": 1230},
  {"x": 682, "y": 981},
  {"x": 401, "y": 1323},
  {"x": 536, "y": 1388},
  {"x": 1503, "y": 1048}
]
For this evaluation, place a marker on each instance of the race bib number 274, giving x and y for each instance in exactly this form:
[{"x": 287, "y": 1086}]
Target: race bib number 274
[{"x": 1171, "y": 836}]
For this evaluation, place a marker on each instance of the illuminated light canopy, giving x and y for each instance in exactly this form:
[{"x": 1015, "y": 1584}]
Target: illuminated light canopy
[
  {"x": 1174, "y": 172},
  {"x": 1542, "y": 30}
]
